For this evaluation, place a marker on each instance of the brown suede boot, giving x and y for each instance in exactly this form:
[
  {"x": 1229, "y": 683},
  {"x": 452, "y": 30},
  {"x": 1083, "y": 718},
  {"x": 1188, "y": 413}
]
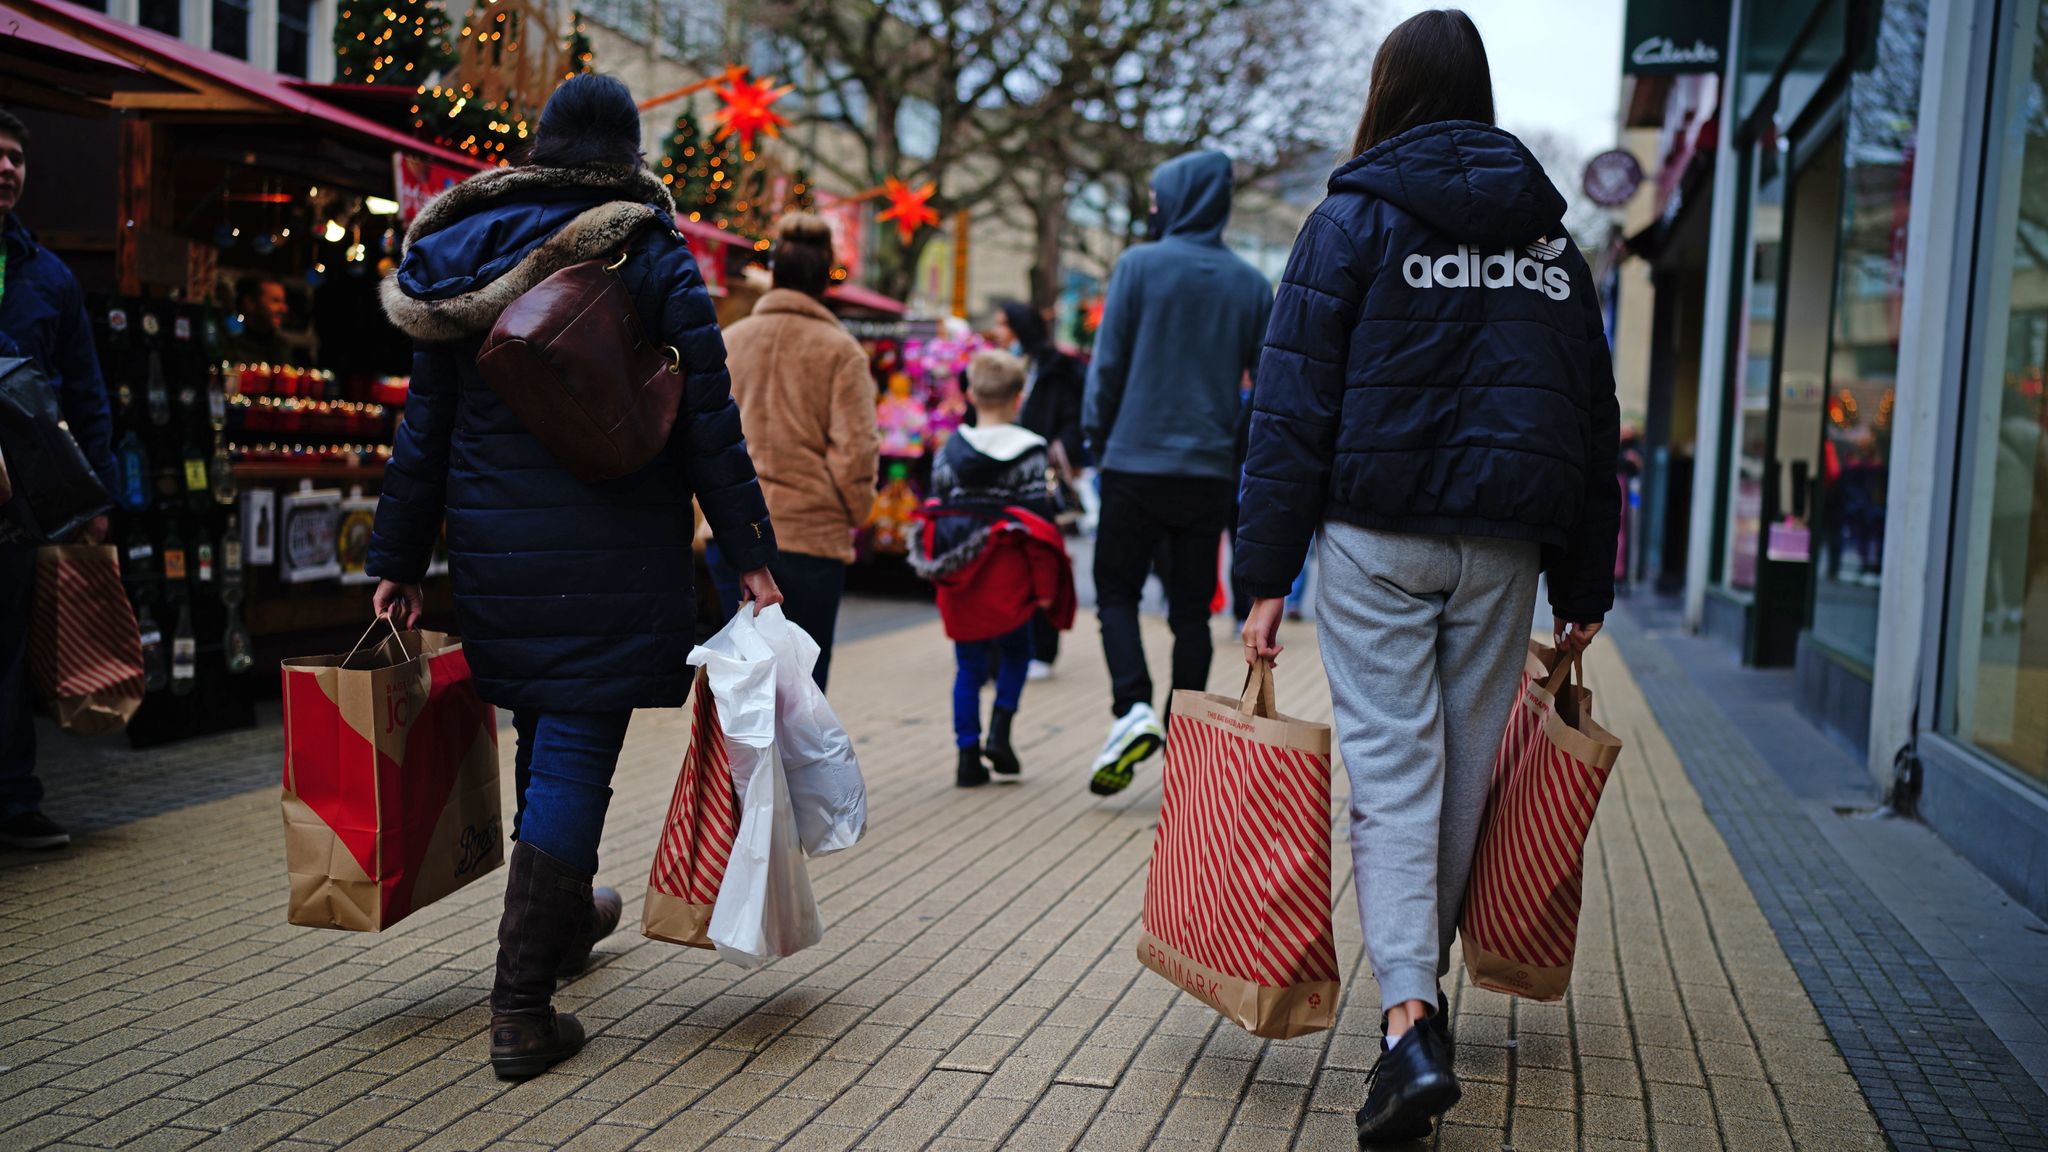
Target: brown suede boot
[
  {"x": 546, "y": 902},
  {"x": 605, "y": 909}
]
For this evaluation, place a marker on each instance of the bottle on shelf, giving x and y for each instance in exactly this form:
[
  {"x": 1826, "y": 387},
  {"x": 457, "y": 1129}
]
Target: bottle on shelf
[
  {"x": 174, "y": 560},
  {"x": 184, "y": 654},
  {"x": 158, "y": 390},
  {"x": 131, "y": 459},
  {"x": 138, "y": 554},
  {"x": 155, "y": 673},
  {"x": 238, "y": 647}
]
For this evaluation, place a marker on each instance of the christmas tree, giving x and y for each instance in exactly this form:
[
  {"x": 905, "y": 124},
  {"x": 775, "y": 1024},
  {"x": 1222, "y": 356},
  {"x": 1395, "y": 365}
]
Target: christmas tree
[
  {"x": 507, "y": 62},
  {"x": 402, "y": 41},
  {"x": 701, "y": 174}
]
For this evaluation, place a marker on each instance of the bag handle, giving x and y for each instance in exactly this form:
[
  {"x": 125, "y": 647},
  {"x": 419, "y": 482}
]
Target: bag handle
[
  {"x": 1257, "y": 698},
  {"x": 1570, "y": 672},
  {"x": 395, "y": 635}
]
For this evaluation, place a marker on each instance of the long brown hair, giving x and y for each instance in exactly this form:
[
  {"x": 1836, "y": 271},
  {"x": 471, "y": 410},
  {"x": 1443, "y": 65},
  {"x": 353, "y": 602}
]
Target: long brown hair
[{"x": 1431, "y": 68}]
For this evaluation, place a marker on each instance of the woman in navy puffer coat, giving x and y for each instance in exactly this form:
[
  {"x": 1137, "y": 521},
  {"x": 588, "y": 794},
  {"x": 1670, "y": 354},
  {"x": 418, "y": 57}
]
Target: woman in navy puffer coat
[
  {"x": 1435, "y": 399},
  {"x": 575, "y": 601}
]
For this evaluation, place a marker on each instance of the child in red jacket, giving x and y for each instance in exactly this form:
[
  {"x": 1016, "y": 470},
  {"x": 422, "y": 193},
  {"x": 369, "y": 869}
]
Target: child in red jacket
[{"x": 990, "y": 546}]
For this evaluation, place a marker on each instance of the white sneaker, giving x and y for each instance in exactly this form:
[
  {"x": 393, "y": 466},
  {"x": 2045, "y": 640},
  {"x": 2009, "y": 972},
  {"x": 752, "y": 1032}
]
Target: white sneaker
[
  {"x": 1040, "y": 670},
  {"x": 1132, "y": 740}
]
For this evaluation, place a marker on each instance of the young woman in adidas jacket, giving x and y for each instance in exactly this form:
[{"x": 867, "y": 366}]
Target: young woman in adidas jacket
[{"x": 1436, "y": 399}]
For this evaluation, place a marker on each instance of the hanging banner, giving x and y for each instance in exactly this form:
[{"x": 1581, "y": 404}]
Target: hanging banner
[
  {"x": 1668, "y": 37},
  {"x": 416, "y": 181},
  {"x": 710, "y": 260},
  {"x": 844, "y": 218}
]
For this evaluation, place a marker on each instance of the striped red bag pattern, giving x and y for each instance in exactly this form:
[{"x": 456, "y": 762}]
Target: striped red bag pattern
[
  {"x": 697, "y": 837},
  {"x": 1521, "y": 918},
  {"x": 84, "y": 652},
  {"x": 1237, "y": 903}
]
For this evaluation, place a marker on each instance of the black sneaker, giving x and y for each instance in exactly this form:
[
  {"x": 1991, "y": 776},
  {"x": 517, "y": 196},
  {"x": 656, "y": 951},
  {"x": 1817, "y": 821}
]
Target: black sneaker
[
  {"x": 32, "y": 830},
  {"x": 1410, "y": 1086}
]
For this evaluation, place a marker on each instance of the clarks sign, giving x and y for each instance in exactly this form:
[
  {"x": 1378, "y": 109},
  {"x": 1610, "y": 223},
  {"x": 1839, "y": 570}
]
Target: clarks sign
[{"x": 1672, "y": 36}]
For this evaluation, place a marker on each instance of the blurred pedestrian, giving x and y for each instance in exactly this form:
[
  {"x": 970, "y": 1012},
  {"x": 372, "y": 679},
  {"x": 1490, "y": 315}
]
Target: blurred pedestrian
[
  {"x": 1436, "y": 398},
  {"x": 999, "y": 561},
  {"x": 1181, "y": 326},
  {"x": 807, "y": 401},
  {"x": 1054, "y": 384},
  {"x": 42, "y": 318},
  {"x": 573, "y": 599}
]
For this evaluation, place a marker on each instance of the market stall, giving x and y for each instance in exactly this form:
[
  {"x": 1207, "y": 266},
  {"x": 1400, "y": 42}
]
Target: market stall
[{"x": 229, "y": 231}]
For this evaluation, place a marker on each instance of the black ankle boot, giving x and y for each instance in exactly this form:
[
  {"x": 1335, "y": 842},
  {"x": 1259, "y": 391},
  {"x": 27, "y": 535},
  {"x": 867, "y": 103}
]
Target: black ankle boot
[
  {"x": 1410, "y": 1087},
  {"x": 546, "y": 903},
  {"x": 602, "y": 919},
  {"x": 972, "y": 772},
  {"x": 1002, "y": 759}
]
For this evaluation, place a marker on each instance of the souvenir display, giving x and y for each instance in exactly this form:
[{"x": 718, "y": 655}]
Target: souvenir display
[{"x": 306, "y": 525}]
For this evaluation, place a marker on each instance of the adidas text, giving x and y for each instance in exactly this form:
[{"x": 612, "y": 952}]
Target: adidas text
[{"x": 1467, "y": 268}]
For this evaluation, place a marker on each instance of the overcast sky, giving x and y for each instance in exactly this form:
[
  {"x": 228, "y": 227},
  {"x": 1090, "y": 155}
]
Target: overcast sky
[{"x": 1556, "y": 63}]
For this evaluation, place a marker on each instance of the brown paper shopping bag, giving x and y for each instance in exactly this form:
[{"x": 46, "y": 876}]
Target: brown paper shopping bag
[
  {"x": 697, "y": 837},
  {"x": 390, "y": 781},
  {"x": 1521, "y": 919},
  {"x": 84, "y": 652},
  {"x": 1237, "y": 903}
]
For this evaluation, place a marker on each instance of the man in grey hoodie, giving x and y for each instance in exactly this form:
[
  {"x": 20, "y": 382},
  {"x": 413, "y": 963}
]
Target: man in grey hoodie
[{"x": 1181, "y": 329}]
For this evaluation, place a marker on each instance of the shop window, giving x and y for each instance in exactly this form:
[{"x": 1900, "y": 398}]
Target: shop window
[
  {"x": 95, "y": 5},
  {"x": 1855, "y": 471},
  {"x": 231, "y": 28},
  {"x": 1751, "y": 397},
  {"x": 1996, "y": 696},
  {"x": 165, "y": 16},
  {"x": 294, "y": 36}
]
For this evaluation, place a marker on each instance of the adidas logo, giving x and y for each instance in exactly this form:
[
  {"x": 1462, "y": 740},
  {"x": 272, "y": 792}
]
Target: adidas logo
[{"x": 1469, "y": 268}]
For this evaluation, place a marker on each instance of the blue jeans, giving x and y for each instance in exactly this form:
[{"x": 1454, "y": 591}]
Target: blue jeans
[
  {"x": 563, "y": 778},
  {"x": 812, "y": 587},
  {"x": 20, "y": 791},
  {"x": 1013, "y": 663}
]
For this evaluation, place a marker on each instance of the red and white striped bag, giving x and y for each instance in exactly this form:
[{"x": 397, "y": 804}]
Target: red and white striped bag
[
  {"x": 84, "y": 652},
  {"x": 1237, "y": 904},
  {"x": 1521, "y": 918},
  {"x": 697, "y": 837}
]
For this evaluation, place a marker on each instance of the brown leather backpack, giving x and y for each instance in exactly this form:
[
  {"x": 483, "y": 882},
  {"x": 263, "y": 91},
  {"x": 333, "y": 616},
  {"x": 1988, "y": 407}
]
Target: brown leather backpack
[{"x": 571, "y": 360}]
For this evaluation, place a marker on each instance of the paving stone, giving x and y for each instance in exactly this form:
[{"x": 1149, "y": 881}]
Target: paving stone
[{"x": 976, "y": 987}]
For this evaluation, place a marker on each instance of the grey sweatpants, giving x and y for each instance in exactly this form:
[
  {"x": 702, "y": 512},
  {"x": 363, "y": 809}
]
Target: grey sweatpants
[{"x": 1423, "y": 638}]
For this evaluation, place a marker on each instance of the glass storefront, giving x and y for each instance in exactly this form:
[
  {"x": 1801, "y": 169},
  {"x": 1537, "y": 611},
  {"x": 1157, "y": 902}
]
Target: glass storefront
[
  {"x": 1854, "y": 473},
  {"x": 1996, "y": 694},
  {"x": 1751, "y": 398}
]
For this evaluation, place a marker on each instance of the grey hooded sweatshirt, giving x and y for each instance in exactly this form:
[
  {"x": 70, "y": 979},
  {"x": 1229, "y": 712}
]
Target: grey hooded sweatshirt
[{"x": 1182, "y": 324}]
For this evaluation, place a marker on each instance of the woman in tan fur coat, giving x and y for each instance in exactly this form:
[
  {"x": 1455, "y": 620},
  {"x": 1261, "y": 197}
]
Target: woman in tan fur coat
[{"x": 807, "y": 402}]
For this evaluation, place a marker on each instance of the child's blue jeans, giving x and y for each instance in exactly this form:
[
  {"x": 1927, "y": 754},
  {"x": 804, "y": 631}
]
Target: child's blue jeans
[
  {"x": 563, "y": 778},
  {"x": 1012, "y": 655}
]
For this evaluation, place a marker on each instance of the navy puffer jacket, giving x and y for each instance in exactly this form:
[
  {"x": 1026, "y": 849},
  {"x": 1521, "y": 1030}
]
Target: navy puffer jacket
[
  {"x": 1436, "y": 364},
  {"x": 570, "y": 597}
]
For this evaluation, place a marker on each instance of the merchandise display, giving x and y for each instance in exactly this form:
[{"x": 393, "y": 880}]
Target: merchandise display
[
  {"x": 920, "y": 372},
  {"x": 229, "y": 510}
]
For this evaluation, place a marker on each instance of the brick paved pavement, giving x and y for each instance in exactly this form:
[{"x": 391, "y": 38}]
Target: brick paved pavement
[{"x": 976, "y": 987}]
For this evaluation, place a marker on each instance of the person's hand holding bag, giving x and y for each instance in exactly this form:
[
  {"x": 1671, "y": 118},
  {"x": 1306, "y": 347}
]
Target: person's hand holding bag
[
  {"x": 1262, "y": 631},
  {"x": 759, "y": 587}
]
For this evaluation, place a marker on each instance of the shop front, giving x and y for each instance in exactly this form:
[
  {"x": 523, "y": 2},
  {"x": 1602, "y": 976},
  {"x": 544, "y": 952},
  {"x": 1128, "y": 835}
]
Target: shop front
[
  {"x": 1870, "y": 501},
  {"x": 229, "y": 231}
]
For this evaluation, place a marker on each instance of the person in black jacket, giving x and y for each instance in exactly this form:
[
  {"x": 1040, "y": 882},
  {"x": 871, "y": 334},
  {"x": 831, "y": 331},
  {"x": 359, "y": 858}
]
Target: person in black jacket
[
  {"x": 42, "y": 318},
  {"x": 1054, "y": 385},
  {"x": 575, "y": 600},
  {"x": 1436, "y": 398}
]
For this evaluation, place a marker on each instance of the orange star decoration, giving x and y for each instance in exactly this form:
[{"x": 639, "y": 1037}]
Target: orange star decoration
[
  {"x": 744, "y": 107},
  {"x": 909, "y": 207}
]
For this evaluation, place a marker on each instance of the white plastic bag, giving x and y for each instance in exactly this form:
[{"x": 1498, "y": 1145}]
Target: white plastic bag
[
  {"x": 825, "y": 785},
  {"x": 765, "y": 908}
]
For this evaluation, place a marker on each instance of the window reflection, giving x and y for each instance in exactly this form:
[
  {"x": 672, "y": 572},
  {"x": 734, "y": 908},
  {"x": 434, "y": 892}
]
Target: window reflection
[{"x": 1998, "y": 698}]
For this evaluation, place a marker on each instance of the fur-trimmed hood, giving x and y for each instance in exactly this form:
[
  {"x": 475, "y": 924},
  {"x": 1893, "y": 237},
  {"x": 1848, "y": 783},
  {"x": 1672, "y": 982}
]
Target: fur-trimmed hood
[{"x": 481, "y": 244}]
